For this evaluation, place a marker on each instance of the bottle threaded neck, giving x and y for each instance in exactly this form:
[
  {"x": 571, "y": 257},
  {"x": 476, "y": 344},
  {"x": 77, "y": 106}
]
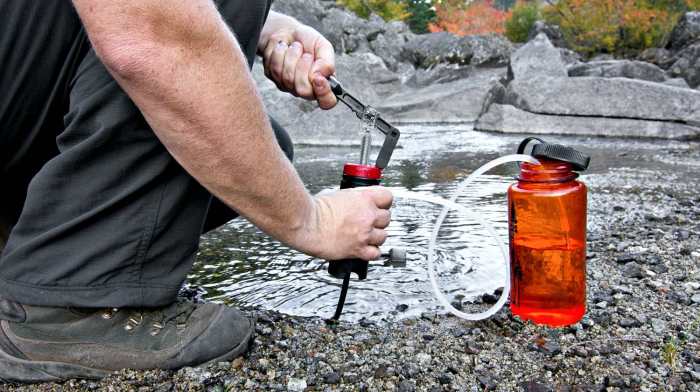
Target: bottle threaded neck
[{"x": 548, "y": 171}]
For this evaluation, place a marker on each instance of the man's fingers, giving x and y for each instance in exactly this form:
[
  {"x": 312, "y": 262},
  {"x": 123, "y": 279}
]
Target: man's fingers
[
  {"x": 277, "y": 61},
  {"x": 370, "y": 253},
  {"x": 381, "y": 196},
  {"x": 291, "y": 59},
  {"x": 383, "y": 219},
  {"x": 377, "y": 237},
  {"x": 325, "y": 58},
  {"x": 301, "y": 82},
  {"x": 322, "y": 91}
]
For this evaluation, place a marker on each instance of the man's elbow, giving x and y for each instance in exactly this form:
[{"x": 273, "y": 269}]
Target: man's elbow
[{"x": 126, "y": 59}]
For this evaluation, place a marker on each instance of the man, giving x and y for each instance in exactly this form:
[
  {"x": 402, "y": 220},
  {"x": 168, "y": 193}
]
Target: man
[{"x": 118, "y": 122}]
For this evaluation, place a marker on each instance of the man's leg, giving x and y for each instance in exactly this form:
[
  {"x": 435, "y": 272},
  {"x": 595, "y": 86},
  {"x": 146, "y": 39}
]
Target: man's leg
[{"x": 109, "y": 220}]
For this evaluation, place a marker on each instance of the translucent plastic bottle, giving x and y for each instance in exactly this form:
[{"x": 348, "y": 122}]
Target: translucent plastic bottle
[{"x": 547, "y": 221}]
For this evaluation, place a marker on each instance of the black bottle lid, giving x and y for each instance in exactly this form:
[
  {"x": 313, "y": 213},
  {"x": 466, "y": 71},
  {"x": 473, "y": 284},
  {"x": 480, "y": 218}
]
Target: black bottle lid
[{"x": 578, "y": 160}]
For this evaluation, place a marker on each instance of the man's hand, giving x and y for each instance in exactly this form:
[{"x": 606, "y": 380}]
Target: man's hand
[
  {"x": 298, "y": 59},
  {"x": 349, "y": 223}
]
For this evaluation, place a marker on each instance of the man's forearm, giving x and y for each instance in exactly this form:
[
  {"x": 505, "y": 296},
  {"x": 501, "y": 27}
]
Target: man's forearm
[{"x": 184, "y": 70}]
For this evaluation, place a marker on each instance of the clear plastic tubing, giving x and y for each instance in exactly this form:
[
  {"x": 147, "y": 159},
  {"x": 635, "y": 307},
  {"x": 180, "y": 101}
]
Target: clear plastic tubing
[{"x": 449, "y": 205}]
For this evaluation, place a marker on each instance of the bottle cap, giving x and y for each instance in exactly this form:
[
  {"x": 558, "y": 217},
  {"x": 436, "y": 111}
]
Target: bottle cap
[{"x": 578, "y": 160}]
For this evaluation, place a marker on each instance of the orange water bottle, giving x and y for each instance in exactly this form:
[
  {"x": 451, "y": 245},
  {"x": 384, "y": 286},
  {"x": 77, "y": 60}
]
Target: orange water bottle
[{"x": 547, "y": 230}]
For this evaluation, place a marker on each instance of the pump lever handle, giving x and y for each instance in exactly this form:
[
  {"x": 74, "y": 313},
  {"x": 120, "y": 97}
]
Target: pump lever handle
[{"x": 391, "y": 133}]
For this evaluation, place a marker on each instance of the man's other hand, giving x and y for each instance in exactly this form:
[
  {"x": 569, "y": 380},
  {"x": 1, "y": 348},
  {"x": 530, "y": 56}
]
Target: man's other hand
[{"x": 298, "y": 59}]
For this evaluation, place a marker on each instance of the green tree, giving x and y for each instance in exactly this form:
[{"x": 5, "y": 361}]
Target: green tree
[
  {"x": 521, "y": 21},
  {"x": 421, "y": 14},
  {"x": 387, "y": 9}
]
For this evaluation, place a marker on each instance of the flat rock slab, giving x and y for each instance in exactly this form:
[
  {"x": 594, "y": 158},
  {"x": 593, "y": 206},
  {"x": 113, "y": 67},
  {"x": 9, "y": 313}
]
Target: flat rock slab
[
  {"x": 605, "y": 97},
  {"x": 509, "y": 119}
]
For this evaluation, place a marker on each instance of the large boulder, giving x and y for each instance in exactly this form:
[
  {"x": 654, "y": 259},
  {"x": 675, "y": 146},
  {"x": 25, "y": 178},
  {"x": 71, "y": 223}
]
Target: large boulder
[
  {"x": 687, "y": 65},
  {"x": 537, "y": 57},
  {"x": 686, "y": 32},
  {"x": 310, "y": 12},
  {"x": 509, "y": 119},
  {"x": 619, "y": 69},
  {"x": 661, "y": 57},
  {"x": 490, "y": 50},
  {"x": 540, "y": 96},
  {"x": 605, "y": 97},
  {"x": 426, "y": 50}
]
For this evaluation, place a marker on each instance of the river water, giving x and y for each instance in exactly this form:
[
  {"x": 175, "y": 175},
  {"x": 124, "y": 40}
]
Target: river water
[{"x": 239, "y": 265}]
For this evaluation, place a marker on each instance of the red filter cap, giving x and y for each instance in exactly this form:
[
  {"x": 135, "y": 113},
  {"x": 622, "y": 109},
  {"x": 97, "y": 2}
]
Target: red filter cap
[{"x": 362, "y": 171}]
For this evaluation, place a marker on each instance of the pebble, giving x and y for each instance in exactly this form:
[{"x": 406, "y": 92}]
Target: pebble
[
  {"x": 331, "y": 378},
  {"x": 445, "y": 378},
  {"x": 695, "y": 299},
  {"x": 406, "y": 386},
  {"x": 296, "y": 384},
  {"x": 401, "y": 308},
  {"x": 633, "y": 271},
  {"x": 658, "y": 325}
]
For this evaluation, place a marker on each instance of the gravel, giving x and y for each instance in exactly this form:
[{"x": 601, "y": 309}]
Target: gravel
[{"x": 641, "y": 331}]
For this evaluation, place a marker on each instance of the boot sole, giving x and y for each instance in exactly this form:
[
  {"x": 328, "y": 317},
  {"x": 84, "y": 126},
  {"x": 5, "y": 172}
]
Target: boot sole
[
  {"x": 20, "y": 371},
  {"x": 16, "y": 370}
]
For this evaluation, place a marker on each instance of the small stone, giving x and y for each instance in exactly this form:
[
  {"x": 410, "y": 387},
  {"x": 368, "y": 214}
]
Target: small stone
[
  {"x": 423, "y": 359},
  {"x": 691, "y": 286},
  {"x": 658, "y": 325},
  {"x": 428, "y": 337},
  {"x": 406, "y": 386},
  {"x": 614, "y": 381},
  {"x": 401, "y": 308},
  {"x": 629, "y": 323},
  {"x": 331, "y": 378},
  {"x": 551, "y": 347},
  {"x": 601, "y": 305},
  {"x": 534, "y": 386},
  {"x": 489, "y": 298},
  {"x": 486, "y": 381},
  {"x": 445, "y": 378},
  {"x": 625, "y": 258},
  {"x": 296, "y": 384},
  {"x": 695, "y": 299},
  {"x": 632, "y": 270}
]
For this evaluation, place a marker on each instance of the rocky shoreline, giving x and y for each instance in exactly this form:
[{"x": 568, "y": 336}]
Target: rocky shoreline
[{"x": 641, "y": 331}]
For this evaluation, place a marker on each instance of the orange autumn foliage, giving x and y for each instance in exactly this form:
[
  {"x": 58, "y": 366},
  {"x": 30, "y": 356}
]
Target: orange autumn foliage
[{"x": 476, "y": 18}]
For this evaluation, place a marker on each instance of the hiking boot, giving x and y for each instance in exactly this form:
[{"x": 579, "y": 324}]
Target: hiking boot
[{"x": 39, "y": 344}]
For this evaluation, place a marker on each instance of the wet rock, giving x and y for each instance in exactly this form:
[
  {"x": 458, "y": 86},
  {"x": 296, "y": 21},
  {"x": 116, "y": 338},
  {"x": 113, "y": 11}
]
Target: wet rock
[
  {"x": 633, "y": 271},
  {"x": 619, "y": 69},
  {"x": 401, "y": 308},
  {"x": 626, "y": 258},
  {"x": 536, "y": 58},
  {"x": 686, "y": 32}
]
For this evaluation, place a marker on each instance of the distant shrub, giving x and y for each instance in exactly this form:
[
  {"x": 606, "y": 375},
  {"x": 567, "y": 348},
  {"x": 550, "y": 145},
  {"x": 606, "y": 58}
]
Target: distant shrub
[
  {"x": 621, "y": 27},
  {"x": 520, "y": 23},
  {"x": 421, "y": 14},
  {"x": 469, "y": 18},
  {"x": 387, "y": 9}
]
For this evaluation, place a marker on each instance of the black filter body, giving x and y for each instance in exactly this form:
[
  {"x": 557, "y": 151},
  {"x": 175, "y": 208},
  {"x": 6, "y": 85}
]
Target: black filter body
[{"x": 354, "y": 176}]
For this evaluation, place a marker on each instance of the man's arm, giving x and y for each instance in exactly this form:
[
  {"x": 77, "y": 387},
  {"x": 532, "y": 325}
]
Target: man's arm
[{"x": 183, "y": 68}]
